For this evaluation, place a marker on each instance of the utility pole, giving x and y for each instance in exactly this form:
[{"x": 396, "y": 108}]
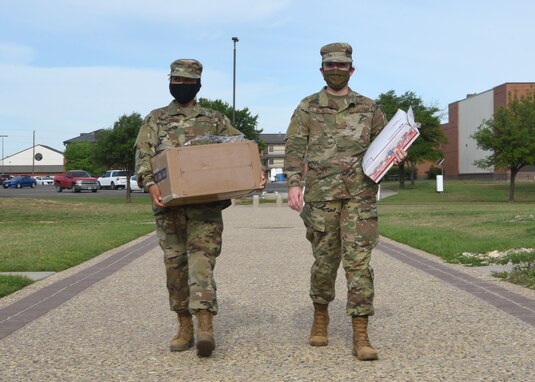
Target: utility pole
[
  {"x": 235, "y": 40},
  {"x": 33, "y": 155},
  {"x": 3, "y": 136}
]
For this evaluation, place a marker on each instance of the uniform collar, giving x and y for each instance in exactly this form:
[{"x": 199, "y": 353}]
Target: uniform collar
[
  {"x": 350, "y": 99},
  {"x": 174, "y": 108}
]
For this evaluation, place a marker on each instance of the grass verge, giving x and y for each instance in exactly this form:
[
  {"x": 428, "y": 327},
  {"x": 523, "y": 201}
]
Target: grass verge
[
  {"x": 53, "y": 235},
  {"x": 469, "y": 216},
  {"x": 10, "y": 284}
]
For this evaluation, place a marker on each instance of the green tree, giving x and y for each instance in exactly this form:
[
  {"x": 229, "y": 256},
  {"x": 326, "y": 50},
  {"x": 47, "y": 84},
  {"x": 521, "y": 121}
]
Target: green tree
[
  {"x": 115, "y": 147},
  {"x": 427, "y": 145},
  {"x": 510, "y": 137},
  {"x": 80, "y": 156},
  {"x": 245, "y": 122}
]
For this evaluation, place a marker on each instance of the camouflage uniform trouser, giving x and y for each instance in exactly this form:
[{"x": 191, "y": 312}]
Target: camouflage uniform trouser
[
  {"x": 190, "y": 237},
  {"x": 342, "y": 230}
]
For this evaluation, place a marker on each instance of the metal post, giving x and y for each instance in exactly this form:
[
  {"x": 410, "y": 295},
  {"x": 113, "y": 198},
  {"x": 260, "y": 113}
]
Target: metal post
[
  {"x": 33, "y": 155},
  {"x": 235, "y": 40},
  {"x": 440, "y": 178},
  {"x": 3, "y": 136}
]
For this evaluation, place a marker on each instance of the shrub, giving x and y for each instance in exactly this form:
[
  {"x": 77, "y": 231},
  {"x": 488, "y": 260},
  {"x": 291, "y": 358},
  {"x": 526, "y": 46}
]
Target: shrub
[
  {"x": 522, "y": 259},
  {"x": 433, "y": 172}
]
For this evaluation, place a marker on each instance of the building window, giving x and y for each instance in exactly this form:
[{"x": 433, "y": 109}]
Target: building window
[{"x": 270, "y": 148}]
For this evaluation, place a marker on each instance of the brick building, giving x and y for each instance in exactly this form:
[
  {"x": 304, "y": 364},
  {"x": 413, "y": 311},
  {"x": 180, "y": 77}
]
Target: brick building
[{"x": 464, "y": 118}]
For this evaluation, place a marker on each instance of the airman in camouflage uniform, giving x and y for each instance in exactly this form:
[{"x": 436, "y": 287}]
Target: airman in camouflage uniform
[
  {"x": 328, "y": 135},
  {"x": 190, "y": 236}
]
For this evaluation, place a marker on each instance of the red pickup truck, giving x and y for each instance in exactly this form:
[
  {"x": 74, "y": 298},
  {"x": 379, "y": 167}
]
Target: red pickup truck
[{"x": 76, "y": 181}]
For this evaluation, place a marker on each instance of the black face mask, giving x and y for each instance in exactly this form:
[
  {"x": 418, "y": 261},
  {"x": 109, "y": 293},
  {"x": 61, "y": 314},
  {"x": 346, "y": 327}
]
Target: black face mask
[{"x": 183, "y": 93}]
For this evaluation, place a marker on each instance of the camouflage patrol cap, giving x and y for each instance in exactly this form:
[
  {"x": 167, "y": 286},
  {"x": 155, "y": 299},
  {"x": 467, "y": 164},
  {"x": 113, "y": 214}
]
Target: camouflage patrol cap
[
  {"x": 336, "y": 52},
  {"x": 188, "y": 68}
]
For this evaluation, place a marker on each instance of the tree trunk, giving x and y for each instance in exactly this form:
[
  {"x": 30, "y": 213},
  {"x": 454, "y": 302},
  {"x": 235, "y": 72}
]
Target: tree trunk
[
  {"x": 512, "y": 185},
  {"x": 128, "y": 189},
  {"x": 402, "y": 174},
  {"x": 412, "y": 173}
]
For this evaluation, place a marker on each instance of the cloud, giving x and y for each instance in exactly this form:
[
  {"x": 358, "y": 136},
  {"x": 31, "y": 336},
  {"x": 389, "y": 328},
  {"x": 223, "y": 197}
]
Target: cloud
[
  {"x": 57, "y": 14},
  {"x": 53, "y": 95},
  {"x": 13, "y": 53},
  {"x": 195, "y": 12},
  {"x": 60, "y": 103}
]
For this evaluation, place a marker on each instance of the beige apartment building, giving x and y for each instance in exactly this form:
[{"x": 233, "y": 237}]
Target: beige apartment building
[{"x": 273, "y": 154}]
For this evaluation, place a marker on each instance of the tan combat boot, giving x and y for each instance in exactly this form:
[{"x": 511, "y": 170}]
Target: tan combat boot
[
  {"x": 318, "y": 333},
  {"x": 184, "y": 338},
  {"x": 361, "y": 344},
  {"x": 205, "y": 335}
]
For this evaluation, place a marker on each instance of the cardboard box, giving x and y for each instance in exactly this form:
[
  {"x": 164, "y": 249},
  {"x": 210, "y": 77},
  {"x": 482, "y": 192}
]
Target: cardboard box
[{"x": 207, "y": 173}]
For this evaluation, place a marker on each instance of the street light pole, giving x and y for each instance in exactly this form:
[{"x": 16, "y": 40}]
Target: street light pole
[
  {"x": 235, "y": 40},
  {"x": 3, "y": 136}
]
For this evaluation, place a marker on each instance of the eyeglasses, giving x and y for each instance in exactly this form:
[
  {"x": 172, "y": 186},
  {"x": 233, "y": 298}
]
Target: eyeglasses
[
  {"x": 337, "y": 65},
  {"x": 182, "y": 80}
]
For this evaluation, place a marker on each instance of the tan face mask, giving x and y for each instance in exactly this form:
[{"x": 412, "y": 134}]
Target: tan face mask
[{"x": 336, "y": 78}]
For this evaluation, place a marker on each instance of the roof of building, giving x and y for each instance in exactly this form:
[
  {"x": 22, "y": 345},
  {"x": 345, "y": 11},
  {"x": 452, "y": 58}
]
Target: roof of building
[
  {"x": 273, "y": 138},
  {"x": 37, "y": 169},
  {"x": 470, "y": 95},
  {"x": 84, "y": 137}
]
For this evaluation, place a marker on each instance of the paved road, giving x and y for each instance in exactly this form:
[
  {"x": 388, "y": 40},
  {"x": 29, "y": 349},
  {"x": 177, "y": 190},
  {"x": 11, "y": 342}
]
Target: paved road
[
  {"x": 108, "y": 319},
  {"x": 50, "y": 192}
]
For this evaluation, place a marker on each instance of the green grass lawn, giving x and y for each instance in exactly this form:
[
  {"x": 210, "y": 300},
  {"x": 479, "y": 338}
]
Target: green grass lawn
[
  {"x": 10, "y": 284},
  {"x": 53, "y": 235},
  {"x": 468, "y": 216}
]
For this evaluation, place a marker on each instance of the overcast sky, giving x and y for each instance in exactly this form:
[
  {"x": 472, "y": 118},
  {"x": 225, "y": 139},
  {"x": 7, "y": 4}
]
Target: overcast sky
[{"x": 69, "y": 67}]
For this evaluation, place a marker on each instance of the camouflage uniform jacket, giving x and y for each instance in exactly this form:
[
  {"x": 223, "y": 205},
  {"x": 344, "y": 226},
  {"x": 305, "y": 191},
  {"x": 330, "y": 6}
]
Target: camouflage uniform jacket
[
  {"x": 171, "y": 126},
  {"x": 331, "y": 137}
]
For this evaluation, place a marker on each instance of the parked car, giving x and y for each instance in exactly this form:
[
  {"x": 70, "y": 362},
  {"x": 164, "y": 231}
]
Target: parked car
[
  {"x": 76, "y": 181},
  {"x": 134, "y": 186},
  {"x": 19, "y": 182},
  {"x": 113, "y": 179},
  {"x": 44, "y": 180}
]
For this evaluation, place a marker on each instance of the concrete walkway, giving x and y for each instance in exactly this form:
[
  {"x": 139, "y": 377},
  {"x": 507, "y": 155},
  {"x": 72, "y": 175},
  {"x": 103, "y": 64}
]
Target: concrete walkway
[{"x": 108, "y": 319}]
